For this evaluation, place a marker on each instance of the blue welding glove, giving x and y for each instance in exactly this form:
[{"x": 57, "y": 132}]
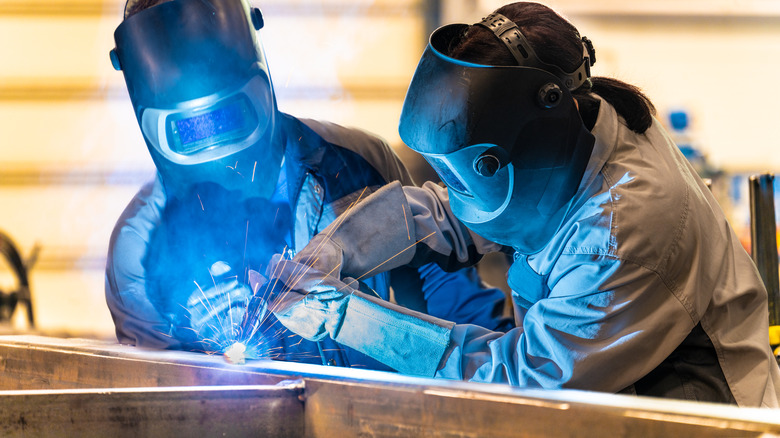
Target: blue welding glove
[
  {"x": 316, "y": 305},
  {"x": 216, "y": 310}
]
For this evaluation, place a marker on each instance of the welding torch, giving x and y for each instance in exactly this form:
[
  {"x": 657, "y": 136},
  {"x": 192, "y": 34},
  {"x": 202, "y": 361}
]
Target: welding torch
[{"x": 256, "y": 310}]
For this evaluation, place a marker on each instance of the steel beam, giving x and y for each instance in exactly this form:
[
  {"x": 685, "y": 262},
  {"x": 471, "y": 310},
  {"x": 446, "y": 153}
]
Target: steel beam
[{"x": 323, "y": 401}]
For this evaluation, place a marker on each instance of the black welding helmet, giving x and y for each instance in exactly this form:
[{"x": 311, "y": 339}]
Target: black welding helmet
[
  {"x": 198, "y": 81},
  {"x": 508, "y": 142}
]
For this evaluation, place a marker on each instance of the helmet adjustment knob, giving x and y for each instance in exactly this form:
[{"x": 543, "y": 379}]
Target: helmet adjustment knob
[{"x": 550, "y": 95}]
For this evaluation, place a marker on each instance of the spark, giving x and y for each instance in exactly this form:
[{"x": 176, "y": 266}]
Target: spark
[
  {"x": 234, "y": 168},
  {"x": 246, "y": 241},
  {"x": 406, "y": 221},
  {"x": 230, "y": 306},
  {"x": 253, "y": 171}
]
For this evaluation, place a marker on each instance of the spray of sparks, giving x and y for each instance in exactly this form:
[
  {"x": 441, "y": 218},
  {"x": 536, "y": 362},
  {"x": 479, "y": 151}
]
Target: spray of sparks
[{"x": 261, "y": 341}]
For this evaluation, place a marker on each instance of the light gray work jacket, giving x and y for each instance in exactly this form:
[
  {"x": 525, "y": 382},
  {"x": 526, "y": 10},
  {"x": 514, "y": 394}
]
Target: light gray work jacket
[{"x": 644, "y": 289}]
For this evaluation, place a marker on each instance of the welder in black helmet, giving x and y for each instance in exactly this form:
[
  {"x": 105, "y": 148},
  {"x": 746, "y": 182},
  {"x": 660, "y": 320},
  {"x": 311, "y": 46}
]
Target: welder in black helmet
[{"x": 626, "y": 277}]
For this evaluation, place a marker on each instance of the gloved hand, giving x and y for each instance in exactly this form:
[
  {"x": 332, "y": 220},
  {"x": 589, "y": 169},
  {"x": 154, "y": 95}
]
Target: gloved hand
[
  {"x": 215, "y": 311},
  {"x": 314, "y": 305},
  {"x": 305, "y": 300}
]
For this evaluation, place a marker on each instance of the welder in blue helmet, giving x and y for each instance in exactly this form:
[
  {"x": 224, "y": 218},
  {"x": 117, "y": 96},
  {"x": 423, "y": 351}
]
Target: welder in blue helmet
[
  {"x": 626, "y": 274},
  {"x": 238, "y": 181}
]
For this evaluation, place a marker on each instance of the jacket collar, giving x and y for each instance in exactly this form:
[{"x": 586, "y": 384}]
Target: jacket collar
[{"x": 606, "y": 133}]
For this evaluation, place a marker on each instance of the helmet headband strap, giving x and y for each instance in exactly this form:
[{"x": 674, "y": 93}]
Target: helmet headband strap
[{"x": 507, "y": 31}]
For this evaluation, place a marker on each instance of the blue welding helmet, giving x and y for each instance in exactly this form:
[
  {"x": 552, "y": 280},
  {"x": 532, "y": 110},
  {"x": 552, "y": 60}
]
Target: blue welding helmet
[
  {"x": 198, "y": 81},
  {"x": 508, "y": 142}
]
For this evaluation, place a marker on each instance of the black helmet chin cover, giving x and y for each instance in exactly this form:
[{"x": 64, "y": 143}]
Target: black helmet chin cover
[
  {"x": 508, "y": 141},
  {"x": 198, "y": 81}
]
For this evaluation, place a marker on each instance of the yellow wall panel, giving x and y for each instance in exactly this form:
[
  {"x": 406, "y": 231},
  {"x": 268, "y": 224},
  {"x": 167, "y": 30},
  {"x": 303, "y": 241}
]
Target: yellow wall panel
[
  {"x": 62, "y": 216},
  {"x": 71, "y": 133},
  {"x": 719, "y": 70},
  {"x": 343, "y": 50},
  {"x": 71, "y": 303},
  {"x": 46, "y": 47}
]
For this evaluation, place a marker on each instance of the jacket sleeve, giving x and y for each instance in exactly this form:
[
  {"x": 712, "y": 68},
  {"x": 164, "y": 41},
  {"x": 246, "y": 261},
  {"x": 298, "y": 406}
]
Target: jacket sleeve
[
  {"x": 136, "y": 320},
  {"x": 605, "y": 324}
]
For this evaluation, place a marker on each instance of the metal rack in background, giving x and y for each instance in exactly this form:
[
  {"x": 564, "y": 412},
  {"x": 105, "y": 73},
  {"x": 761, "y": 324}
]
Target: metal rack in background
[{"x": 763, "y": 243}]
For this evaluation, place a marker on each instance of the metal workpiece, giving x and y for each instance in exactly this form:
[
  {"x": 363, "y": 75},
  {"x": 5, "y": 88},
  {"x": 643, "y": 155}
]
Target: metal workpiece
[
  {"x": 763, "y": 239},
  {"x": 71, "y": 387}
]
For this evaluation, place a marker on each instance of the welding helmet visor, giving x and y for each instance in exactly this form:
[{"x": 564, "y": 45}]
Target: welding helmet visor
[
  {"x": 507, "y": 141},
  {"x": 198, "y": 81}
]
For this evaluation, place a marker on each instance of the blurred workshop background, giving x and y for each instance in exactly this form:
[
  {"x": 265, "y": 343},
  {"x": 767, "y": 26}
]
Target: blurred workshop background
[{"x": 72, "y": 156}]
